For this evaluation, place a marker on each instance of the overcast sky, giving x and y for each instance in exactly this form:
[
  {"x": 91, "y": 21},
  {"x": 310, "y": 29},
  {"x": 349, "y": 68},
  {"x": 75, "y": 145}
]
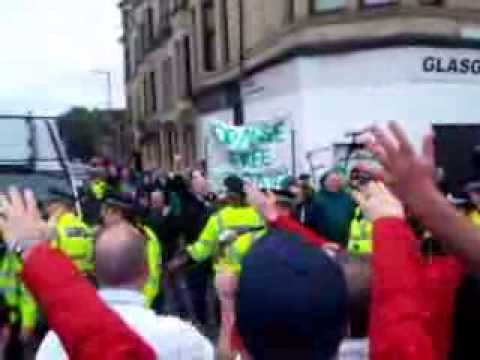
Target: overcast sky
[{"x": 48, "y": 50}]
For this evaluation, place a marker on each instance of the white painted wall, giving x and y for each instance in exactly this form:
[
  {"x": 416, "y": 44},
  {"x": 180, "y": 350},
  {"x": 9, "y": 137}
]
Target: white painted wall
[{"x": 327, "y": 96}]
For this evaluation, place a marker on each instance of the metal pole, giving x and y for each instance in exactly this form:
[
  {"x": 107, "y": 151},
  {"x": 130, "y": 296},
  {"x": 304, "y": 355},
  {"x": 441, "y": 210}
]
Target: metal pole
[
  {"x": 109, "y": 89},
  {"x": 293, "y": 144},
  {"x": 108, "y": 77}
]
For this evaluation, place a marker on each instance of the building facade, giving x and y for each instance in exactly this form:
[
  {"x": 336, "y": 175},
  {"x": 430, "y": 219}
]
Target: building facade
[{"x": 326, "y": 66}]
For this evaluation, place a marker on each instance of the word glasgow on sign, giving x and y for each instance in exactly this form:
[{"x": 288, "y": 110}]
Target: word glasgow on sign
[{"x": 452, "y": 65}]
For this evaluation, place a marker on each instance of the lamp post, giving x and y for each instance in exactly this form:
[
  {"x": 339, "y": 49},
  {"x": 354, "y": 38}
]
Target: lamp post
[{"x": 108, "y": 78}]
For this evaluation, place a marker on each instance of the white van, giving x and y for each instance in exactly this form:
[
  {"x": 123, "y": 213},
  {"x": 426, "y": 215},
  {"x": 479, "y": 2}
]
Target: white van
[{"x": 32, "y": 155}]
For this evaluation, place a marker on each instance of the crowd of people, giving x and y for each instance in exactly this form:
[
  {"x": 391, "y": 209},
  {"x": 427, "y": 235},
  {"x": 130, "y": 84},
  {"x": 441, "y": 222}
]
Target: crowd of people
[{"x": 374, "y": 263}]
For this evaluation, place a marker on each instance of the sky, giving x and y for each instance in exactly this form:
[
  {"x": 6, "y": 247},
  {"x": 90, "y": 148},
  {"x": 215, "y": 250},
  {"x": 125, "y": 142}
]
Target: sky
[{"x": 48, "y": 50}]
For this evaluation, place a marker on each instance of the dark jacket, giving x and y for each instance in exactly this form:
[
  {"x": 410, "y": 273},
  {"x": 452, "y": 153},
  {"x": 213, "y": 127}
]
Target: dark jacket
[
  {"x": 337, "y": 210},
  {"x": 310, "y": 214},
  {"x": 195, "y": 214}
]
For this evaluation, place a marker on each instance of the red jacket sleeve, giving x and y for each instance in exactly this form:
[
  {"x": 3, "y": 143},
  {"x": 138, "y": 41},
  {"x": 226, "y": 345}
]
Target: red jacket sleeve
[
  {"x": 87, "y": 328},
  {"x": 288, "y": 224},
  {"x": 398, "y": 324},
  {"x": 441, "y": 278}
]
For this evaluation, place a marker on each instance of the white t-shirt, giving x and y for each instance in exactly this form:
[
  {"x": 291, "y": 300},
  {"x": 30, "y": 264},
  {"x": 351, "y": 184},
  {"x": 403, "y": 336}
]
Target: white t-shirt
[{"x": 170, "y": 337}]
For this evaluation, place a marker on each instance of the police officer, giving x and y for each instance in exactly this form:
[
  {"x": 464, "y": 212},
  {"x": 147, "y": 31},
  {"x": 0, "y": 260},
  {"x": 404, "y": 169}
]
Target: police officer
[
  {"x": 473, "y": 191},
  {"x": 93, "y": 195},
  {"x": 361, "y": 229},
  {"x": 117, "y": 210},
  {"x": 71, "y": 234},
  {"x": 228, "y": 235},
  {"x": 20, "y": 310},
  {"x": 99, "y": 185},
  {"x": 361, "y": 235}
]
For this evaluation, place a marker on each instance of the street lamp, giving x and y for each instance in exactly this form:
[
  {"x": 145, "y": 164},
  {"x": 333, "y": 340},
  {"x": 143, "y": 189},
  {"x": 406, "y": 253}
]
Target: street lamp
[{"x": 108, "y": 77}]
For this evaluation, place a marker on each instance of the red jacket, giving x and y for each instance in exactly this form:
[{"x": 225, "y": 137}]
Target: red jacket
[
  {"x": 412, "y": 299},
  {"x": 88, "y": 329}
]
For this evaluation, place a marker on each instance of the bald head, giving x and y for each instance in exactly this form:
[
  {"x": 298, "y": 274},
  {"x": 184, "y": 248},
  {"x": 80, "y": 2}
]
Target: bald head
[{"x": 120, "y": 256}]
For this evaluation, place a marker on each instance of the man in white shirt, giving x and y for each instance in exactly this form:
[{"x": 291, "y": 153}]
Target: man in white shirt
[{"x": 122, "y": 270}]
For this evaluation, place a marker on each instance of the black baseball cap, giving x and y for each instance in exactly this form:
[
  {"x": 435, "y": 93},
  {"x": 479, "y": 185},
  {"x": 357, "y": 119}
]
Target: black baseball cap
[{"x": 234, "y": 185}]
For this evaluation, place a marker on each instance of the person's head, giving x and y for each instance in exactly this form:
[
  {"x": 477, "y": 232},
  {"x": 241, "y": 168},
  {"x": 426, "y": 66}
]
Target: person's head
[
  {"x": 199, "y": 182},
  {"x": 361, "y": 175},
  {"x": 58, "y": 202},
  {"x": 143, "y": 199},
  {"x": 283, "y": 310},
  {"x": 177, "y": 184},
  {"x": 302, "y": 191},
  {"x": 125, "y": 174},
  {"x": 147, "y": 178},
  {"x": 120, "y": 257},
  {"x": 116, "y": 211},
  {"x": 332, "y": 181},
  {"x": 112, "y": 171},
  {"x": 58, "y": 207},
  {"x": 158, "y": 200},
  {"x": 235, "y": 190},
  {"x": 473, "y": 191},
  {"x": 284, "y": 201}
]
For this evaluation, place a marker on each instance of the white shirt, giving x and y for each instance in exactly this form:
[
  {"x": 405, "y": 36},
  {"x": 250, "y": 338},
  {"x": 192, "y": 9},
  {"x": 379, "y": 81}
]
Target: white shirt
[
  {"x": 354, "y": 349},
  {"x": 170, "y": 337}
]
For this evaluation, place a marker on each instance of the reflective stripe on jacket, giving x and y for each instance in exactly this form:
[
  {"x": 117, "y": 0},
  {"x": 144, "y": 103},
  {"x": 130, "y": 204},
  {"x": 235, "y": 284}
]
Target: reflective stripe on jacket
[
  {"x": 227, "y": 219},
  {"x": 361, "y": 235},
  {"x": 21, "y": 304},
  {"x": 75, "y": 239},
  {"x": 154, "y": 256}
]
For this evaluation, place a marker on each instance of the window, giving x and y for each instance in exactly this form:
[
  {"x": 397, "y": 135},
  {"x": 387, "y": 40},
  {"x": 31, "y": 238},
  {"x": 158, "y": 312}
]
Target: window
[
  {"x": 137, "y": 43},
  {"x": 317, "y": 6},
  {"x": 146, "y": 96},
  {"x": 179, "y": 5},
  {"x": 139, "y": 107},
  {"x": 226, "y": 30},
  {"x": 195, "y": 40},
  {"x": 431, "y": 2},
  {"x": 366, "y": 3},
  {"x": 153, "y": 92},
  {"x": 143, "y": 38},
  {"x": 209, "y": 35},
  {"x": 289, "y": 11},
  {"x": 167, "y": 79},
  {"x": 164, "y": 27},
  {"x": 130, "y": 107},
  {"x": 127, "y": 59},
  {"x": 188, "y": 67},
  {"x": 180, "y": 70},
  {"x": 150, "y": 26},
  {"x": 172, "y": 149},
  {"x": 189, "y": 141}
]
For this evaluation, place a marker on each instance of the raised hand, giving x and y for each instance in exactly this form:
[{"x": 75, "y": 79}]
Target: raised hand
[
  {"x": 21, "y": 223},
  {"x": 407, "y": 172},
  {"x": 377, "y": 202}
]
